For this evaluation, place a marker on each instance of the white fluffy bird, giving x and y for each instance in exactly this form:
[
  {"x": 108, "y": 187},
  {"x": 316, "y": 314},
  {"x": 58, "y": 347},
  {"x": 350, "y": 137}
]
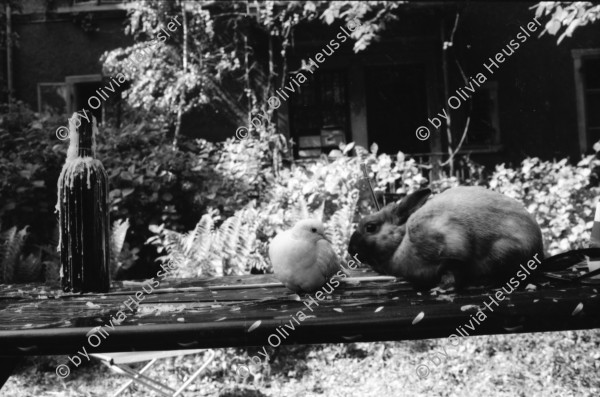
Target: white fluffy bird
[{"x": 302, "y": 257}]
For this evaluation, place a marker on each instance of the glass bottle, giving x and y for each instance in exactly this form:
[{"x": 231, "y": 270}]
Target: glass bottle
[{"x": 84, "y": 243}]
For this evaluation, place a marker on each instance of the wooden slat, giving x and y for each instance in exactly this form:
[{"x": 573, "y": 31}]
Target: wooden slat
[{"x": 218, "y": 312}]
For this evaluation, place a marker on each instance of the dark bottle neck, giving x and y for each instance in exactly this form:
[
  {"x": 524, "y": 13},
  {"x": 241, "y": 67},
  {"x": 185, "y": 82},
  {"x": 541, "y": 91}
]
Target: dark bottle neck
[
  {"x": 85, "y": 152},
  {"x": 86, "y": 133}
]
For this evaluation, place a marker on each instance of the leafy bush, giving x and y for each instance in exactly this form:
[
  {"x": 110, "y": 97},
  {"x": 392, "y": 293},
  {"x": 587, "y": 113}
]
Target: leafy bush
[
  {"x": 31, "y": 158},
  {"x": 236, "y": 195},
  {"x": 333, "y": 189},
  {"x": 558, "y": 194},
  {"x": 150, "y": 180},
  {"x": 330, "y": 188}
]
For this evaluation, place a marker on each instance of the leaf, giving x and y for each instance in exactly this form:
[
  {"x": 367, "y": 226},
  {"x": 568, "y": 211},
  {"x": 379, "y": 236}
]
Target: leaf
[
  {"x": 418, "y": 318},
  {"x": 374, "y": 148},
  {"x": 348, "y": 147},
  {"x": 552, "y": 26},
  {"x": 93, "y": 330},
  {"x": 400, "y": 157},
  {"x": 127, "y": 191},
  {"x": 254, "y": 326},
  {"x": 335, "y": 153},
  {"x": 126, "y": 175}
]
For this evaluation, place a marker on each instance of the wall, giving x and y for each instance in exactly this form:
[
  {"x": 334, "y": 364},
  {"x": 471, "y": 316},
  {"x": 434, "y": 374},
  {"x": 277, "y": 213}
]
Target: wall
[
  {"x": 51, "y": 49},
  {"x": 537, "y": 108}
]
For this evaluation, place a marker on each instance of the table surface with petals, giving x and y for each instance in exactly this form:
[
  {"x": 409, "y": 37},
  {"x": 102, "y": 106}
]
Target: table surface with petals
[{"x": 246, "y": 310}]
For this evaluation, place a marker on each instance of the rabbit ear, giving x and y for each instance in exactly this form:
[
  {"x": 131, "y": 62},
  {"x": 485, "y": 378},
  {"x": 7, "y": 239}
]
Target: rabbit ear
[{"x": 412, "y": 202}]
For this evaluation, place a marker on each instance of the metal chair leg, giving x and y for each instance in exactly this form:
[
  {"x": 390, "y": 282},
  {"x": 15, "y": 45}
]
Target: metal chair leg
[
  {"x": 211, "y": 355},
  {"x": 144, "y": 380},
  {"x": 137, "y": 376},
  {"x": 130, "y": 381}
]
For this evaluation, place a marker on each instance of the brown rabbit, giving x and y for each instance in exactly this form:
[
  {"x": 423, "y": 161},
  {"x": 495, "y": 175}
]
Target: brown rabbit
[{"x": 462, "y": 236}]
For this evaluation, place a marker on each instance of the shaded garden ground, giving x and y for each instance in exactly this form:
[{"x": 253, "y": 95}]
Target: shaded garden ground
[{"x": 540, "y": 364}]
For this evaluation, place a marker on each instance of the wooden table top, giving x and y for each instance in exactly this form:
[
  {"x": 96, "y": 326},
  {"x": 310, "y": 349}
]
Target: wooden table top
[{"x": 248, "y": 310}]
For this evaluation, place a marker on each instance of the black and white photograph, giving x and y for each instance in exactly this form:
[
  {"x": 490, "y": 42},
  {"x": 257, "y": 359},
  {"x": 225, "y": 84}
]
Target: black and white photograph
[{"x": 252, "y": 198}]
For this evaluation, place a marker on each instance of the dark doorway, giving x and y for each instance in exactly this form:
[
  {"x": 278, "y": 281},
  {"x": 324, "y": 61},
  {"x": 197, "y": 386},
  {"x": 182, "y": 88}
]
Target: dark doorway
[
  {"x": 591, "y": 71},
  {"x": 396, "y": 107},
  {"x": 83, "y": 92}
]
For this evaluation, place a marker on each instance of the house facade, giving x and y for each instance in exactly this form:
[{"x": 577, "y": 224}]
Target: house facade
[{"x": 522, "y": 95}]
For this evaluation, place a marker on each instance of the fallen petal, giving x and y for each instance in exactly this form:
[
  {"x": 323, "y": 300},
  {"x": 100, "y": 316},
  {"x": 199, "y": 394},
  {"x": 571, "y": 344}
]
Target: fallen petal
[
  {"x": 578, "y": 308},
  {"x": 254, "y": 326},
  {"x": 418, "y": 318}
]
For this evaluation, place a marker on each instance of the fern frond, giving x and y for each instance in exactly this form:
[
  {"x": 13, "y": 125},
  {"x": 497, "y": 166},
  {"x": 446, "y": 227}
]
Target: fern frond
[
  {"x": 200, "y": 239},
  {"x": 320, "y": 212},
  {"x": 7, "y": 266},
  {"x": 174, "y": 243},
  {"x": 339, "y": 226},
  {"x": 29, "y": 269},
  {"x": 11, "y": 252},
  {"x": 299, "y": 209},
  {"x": 227, "y": 236},
  {"x": 210, "y": 251},
  {"x": 117, "y": 241},
  {"x": 117, "y": 237},
  {"x": 220, "y": 237}
]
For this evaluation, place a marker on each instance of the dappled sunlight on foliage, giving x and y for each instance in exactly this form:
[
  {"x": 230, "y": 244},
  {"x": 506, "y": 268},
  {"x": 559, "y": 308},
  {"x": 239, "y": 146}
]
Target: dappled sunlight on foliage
[{"x": 558, "y": 194}]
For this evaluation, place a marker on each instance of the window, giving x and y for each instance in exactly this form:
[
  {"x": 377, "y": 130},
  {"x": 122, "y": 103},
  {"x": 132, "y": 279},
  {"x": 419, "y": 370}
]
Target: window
[
  {"x": 71, "y": 96},
  {"x": 80, "y": 89},
  {"x": 396, "y": 106},
  {"x": 319, "y": 113},
  {"x": 484, "y": 128},
  {"x": 591, "y": 74},
  {"x": 52, "y": 97},
  {"x": 587, "y": 86}
]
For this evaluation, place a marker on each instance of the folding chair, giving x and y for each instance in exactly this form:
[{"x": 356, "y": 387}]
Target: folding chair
[{"x": 118, "y": 362}]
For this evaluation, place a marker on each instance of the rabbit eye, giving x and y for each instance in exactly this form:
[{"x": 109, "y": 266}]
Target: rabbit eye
[
  {"x": 314, "y": 230},
  {"x": 370, "y": 227}
]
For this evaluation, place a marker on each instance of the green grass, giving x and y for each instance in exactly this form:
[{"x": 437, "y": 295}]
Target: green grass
[{"x": 541, "y": 364}]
